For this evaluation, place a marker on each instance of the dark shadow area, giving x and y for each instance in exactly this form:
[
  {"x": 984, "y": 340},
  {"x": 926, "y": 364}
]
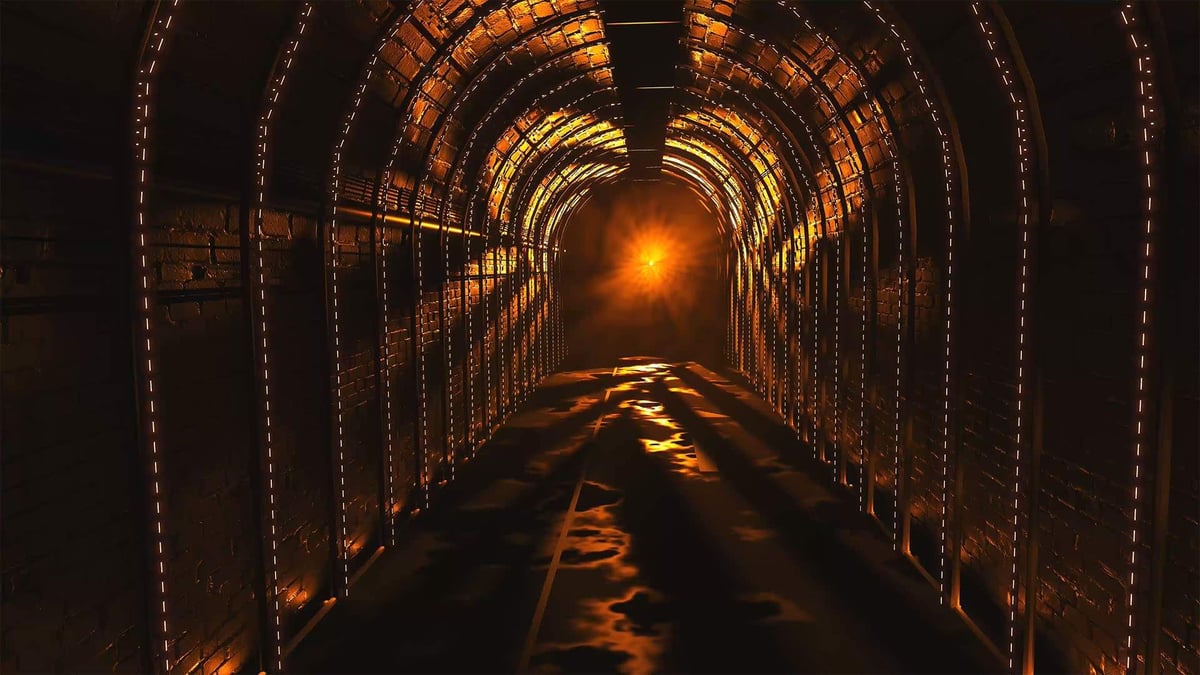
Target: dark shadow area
[
  {"x": 816, "y": 534},
  {"x": 841, "y": 516},
  {"x": 454, "y": 597}
]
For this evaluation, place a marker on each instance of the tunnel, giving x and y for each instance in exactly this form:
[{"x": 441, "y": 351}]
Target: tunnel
[{"x": 599, "y": 336}]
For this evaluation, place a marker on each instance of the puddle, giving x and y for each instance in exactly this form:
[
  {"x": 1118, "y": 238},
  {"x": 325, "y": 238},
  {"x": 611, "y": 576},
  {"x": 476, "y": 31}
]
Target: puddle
[{"x": 770, "y": 608}]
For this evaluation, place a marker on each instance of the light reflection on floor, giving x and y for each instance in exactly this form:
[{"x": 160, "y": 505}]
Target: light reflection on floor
[{"x": 669, "y": 560}]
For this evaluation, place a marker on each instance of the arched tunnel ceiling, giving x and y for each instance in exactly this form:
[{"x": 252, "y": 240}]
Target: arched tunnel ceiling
[
  {"x": 479, "y": 114},
  {"x": 496, "y": 118},
  {"x": 492, "y": 118}
]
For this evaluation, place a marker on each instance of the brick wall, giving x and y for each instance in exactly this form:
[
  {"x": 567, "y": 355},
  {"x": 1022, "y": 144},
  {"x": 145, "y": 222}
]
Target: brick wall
[{"x": 71, "y": 489}]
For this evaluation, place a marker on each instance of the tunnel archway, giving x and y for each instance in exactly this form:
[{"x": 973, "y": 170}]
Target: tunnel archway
[{"x": 274, "y": 273}]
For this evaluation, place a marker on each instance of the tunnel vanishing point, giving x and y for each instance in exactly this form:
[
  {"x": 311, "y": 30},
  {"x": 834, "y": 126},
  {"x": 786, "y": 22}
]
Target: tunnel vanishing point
[{"x": 296, "y": 374}]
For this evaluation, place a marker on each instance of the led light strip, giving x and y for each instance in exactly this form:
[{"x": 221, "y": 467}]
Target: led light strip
[
  {"x": 837, "y": 357},
  {"x": 514, "y": 317},
  {"x": 1021, "y": 127},
  {"x": 494, "y": 372},
  {"x": 804, "y": 123},
  {"x": 1149, "y": 115},
  {"x": 456, "y": 182},
  {"x": 447, "y": 390},
  {"x": 894, "y": 157},
  {"x": 142, "y": 122},
  {"x": 262, "y": 152},
  {"x": 780, "y": 315},
  {"x": 423, "y": 391},
  {"x": 936, "y": 118},
  {"x": 862, "y": 368},
  {"x": 335, "y": 187},
  {"x": 471, "y": 363},
  {"x": 447, "y": 330},
  {"x": 764, "y": 299},
  {"x": 469, "y": 217},
  {"x": 815, "y": 302},
  {"x": 386, "y": 177},
  {"x": 389, "y": 426}
]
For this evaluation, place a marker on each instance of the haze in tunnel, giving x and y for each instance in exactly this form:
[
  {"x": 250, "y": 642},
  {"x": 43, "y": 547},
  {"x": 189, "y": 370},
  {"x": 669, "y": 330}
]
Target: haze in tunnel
[{"x": 642, "y": 275}]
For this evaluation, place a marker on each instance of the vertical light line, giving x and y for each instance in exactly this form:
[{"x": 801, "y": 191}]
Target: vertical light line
[
  {"x": 935, "y": 117},
  {"x": 423, "y": 392},
  {"x": 389, "y": 422},
  {"x": 783, "y": 324},
  {"x": 835, "y": 272},
  {"x": 471, "y": 362},
  {"x": 862, "y": 371},
  {"x": 898, "y": 449},
  {"x": 894, "y": 156},
  {"x": 447, "y": 330},
  {"x": 344, "y": 542},
  {"x": 142, "y": 123},
  {"x": 1025, "y": 180},
  {"x": 391, "y": 488},
  {"x": 262, "y": 152},
  {"x": 510, "y": 341},
  {"x": 1144, "y": 58},
  {"x": 815, "y": 303}
]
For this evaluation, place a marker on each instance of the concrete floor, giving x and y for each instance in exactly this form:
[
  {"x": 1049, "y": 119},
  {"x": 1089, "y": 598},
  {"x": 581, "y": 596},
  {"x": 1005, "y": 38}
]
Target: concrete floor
[{"x": 645, "y": 518}]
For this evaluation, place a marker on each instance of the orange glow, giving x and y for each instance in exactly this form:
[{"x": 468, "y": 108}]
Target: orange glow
[{"x": 651, "y": 262}]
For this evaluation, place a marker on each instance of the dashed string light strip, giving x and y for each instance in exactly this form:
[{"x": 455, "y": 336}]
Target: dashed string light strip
[
  {"x": 454, "y": 182},
  {"x": 894, "y": 157},
  {"x": 555, "y": 323},
  {"x": 447, "y": 330},
  {"x": 390, "y": 484},
  {"x": 522, "y": 320},
  {"x": 732, "y": 324},
  {"x": 815, "y": 302},
  {"x": 1024, "y": 178},
  {"x": 389, "y": 426},
  {"x": 518, "y": 332},
  {"x": 441, "y": 140},
  {"x": 948, "y": 177},
  {"x": 780, "y": 314},
  {"x": 262, "y": 150},
  {"x": 334, "y": 286},
  {"x": 815, "y": 244},
  {"x": 1149, "y": 115},
  {"x": 755, "y": 329},
  {"x": 835, "y": 446},
  {"x": 850, "y": 67},
  {"x": 949, "y": 322},
  {"x": 747, "y": 312},
  {"x": 862, "y": 366},
  {"x": 768, "y": 329},
  {"x": 142, "y": 123},
  {"x": 898, "y": 439},
  {"x": 472, "y": 364},
  {"x": 786, "y": 103},
  {"x": 489, "y": 355},
  {"x": 423, "y": 388},
  {"x": 510, "y": 341}
]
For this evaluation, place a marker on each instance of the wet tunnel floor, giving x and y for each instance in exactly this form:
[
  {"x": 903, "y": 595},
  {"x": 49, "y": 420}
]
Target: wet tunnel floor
[{"x": 646, "y": 518}]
